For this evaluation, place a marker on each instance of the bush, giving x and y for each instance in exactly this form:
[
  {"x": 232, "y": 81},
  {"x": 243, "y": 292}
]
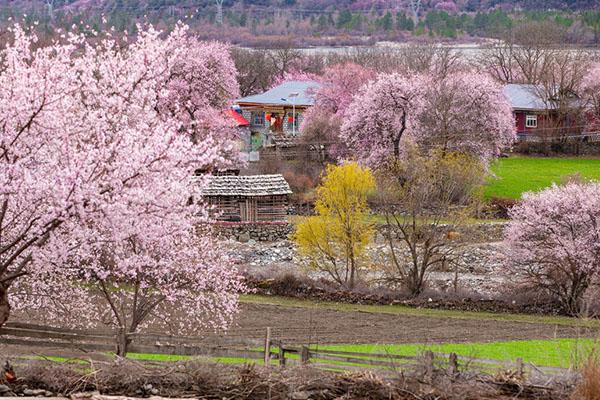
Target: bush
[
  {"x": 499, "y": 207},
  {"x": 335, "y": 239},
  {"x": 589, "y": 386},
  {"x": 303, "y": 187}
]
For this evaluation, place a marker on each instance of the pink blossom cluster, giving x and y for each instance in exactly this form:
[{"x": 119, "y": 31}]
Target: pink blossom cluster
[
  {"x": 98, "y": 144},
  {"x": 466, "y": 112},
  {"x": 380, "y": 115}
]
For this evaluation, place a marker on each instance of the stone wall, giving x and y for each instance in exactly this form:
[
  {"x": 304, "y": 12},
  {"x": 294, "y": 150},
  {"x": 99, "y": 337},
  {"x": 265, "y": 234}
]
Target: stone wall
[
  {"x": 263, "y": 232},
  {"x": 472, "y": 233},
  {"x": 270, "y": 232}
]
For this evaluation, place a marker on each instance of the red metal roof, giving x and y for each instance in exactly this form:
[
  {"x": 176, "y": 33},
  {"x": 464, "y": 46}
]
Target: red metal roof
[{"x": 239, "y": 118}]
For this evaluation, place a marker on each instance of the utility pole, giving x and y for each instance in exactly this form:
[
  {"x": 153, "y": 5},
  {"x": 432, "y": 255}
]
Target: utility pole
[
  {"x": 415, "y": 7},
  {"x": 219, "y": 12},
  {"x": 50, "y": 5}
]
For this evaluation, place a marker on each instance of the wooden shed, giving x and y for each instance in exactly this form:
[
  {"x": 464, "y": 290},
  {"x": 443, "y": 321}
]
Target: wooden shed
[{"x": 251, "y": 198}]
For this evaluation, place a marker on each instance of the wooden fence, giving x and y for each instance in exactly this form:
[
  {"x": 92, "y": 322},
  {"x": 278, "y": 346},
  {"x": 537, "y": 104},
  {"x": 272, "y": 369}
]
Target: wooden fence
[
  {"x": 427, "y": 362},
  {"x": 104, "y": 341},
  {"x": 269, "y": 350}
]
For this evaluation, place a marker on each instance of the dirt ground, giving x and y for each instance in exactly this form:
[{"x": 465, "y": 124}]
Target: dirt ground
[
  {"x": 295, "y": 325},
  {"x": 319, "y": 326}
]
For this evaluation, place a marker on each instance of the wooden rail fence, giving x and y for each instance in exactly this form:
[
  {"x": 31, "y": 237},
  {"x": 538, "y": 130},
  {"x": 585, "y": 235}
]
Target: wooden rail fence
[
  {"x": 104, "y": 341},
  {"x": 268, "y": 350}
]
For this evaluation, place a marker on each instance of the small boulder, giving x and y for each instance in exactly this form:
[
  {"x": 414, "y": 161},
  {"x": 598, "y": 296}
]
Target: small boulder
[{"x": 300, "y": 396}]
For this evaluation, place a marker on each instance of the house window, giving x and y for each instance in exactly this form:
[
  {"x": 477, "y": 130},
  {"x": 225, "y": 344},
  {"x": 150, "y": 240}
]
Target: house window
[
  {"x": 258, "y": 118},
  {"x": 531, "y": 121},
  {"x": 293, "y": 122}
]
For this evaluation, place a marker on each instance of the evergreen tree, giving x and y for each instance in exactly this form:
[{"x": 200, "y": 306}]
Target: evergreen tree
[
  {"x": 344, "y": 19},
  {"x": 386, "y": 21},
  {"x": 403, "y": 23}
]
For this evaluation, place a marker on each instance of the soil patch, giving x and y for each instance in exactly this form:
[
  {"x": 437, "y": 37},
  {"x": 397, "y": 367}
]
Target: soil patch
[
  {"x": 289, "y": 285},
  {"x": 319, "y": 326},
  {"x": 314, "y": 326}
]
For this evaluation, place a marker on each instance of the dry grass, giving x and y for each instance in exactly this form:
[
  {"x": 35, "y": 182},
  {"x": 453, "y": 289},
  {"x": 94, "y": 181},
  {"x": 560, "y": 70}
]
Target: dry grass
[
  {"x": 589, "y": 386},
  {"x": 205, "y": 381}
]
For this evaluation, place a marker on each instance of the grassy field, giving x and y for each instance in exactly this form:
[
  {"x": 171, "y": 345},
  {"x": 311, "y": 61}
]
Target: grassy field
[
  {"x": 548, "y": 353},
  {"x": 516, "y": 175},
  {"x": 562, "y": 353}
]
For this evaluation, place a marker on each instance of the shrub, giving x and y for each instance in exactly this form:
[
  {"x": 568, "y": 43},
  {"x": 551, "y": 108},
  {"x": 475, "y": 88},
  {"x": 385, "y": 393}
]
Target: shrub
[
  {"x": 335, "y": 239},
  {"x": 499, "y": 207},
  {"x": 424, "y": 192},
  {"x": 589, "y": 385}
]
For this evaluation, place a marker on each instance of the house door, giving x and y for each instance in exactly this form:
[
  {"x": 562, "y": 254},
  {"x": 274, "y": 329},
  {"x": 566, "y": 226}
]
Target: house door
[{"x": 248, "y": 210}]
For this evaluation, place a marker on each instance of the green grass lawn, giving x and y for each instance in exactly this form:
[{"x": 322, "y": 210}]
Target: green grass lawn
[
  {"x": 562, "y": 353},
  {"x": 516, "y": 175}
]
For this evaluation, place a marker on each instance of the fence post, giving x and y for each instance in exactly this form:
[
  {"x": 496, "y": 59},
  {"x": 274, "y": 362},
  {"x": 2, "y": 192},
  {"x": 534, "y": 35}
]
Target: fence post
[
  {"x": 429, "y": 366},
  {"x": 281, "y": 355},
  {"x": 452, "y": 365},
  {"x": 520, "y": 369},
  {"x": 268, "y": 347},
  {"x": 304, "y": 355}
]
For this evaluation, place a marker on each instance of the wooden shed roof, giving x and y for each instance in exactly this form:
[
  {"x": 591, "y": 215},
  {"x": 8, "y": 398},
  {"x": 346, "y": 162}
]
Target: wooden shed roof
[{"x": 247, "y": 185}]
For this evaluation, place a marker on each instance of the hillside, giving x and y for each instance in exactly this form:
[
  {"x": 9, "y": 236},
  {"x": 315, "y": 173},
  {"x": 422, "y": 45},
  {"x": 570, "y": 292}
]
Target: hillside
[
  {"x": 309, "y": 6},
  {"x": 273, "y": 23}
]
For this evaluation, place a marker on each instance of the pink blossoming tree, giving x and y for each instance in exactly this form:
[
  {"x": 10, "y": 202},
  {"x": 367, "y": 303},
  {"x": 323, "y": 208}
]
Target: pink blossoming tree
[
  {"x": 96, "y": 159},
  {"x": 380, "y": 115},
  {"x": 466, "y": 112},
  {"x": 553, "y": 241},
  {"x": 460, "y": 112},
  {"x": 323, "y": 121}
]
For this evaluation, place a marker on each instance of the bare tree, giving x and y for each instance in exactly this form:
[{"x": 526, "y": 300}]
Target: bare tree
[
  {"x": 426, "y": 198},
  {"x": 560, "y": 88},
  {"x": 415, "y": 8},
  {"x": 430, "y": 58},
  {"x": 255, "y": 70},
  {"x": 284, "y": 57},
  {"x": 219, "y": 17},
  {"x": 498, "y": 60},
  {"x": 524, "y": 54}
]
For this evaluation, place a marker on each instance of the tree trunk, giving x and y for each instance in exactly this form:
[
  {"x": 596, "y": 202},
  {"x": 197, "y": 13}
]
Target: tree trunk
[
  {"x": 4, "y": 305},
  {"x": 122, "y": 343}
]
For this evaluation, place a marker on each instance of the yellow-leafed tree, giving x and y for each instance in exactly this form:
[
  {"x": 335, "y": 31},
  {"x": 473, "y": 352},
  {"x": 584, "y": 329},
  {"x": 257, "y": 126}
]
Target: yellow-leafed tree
[{"x": 334, "y": 240}]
